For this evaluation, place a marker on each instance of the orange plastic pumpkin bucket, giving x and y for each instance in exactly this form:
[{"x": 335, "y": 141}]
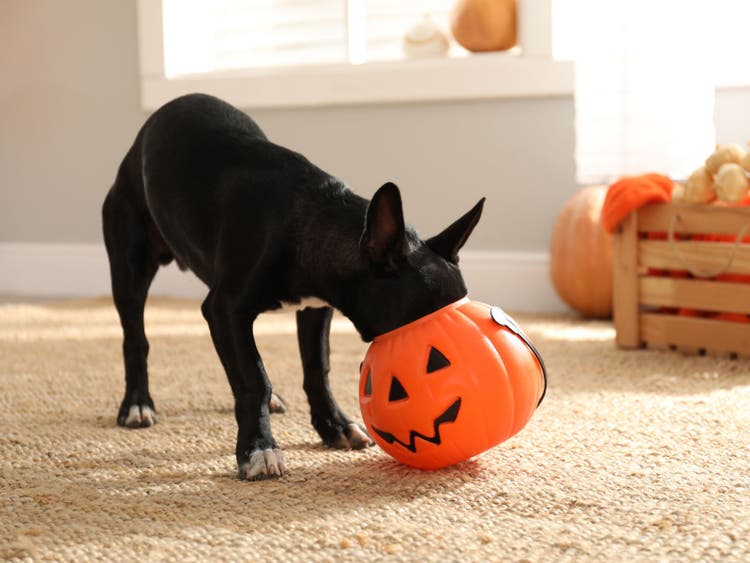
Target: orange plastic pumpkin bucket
[{"x": 450, "y": 385}]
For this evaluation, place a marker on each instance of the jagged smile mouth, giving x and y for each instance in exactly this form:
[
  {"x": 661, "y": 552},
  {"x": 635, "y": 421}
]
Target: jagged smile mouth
[{"x": 449, "y": 415}]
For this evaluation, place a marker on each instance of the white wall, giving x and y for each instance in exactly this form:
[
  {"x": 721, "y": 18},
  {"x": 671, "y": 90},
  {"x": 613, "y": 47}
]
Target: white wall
[
  {"x": 732, "y": 115},
  {"x": 445, "y": 156},
  {"x": 69, "y": 109}
]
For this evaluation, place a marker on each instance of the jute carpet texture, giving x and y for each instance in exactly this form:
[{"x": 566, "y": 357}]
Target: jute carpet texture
[{"x": 633, "y": 456}]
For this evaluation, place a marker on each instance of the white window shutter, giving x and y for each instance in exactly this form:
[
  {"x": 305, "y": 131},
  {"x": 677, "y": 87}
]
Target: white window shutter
[{"x": 223, "y": 35}]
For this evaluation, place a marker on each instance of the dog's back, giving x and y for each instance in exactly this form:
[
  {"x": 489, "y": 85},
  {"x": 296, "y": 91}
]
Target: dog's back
[{"x": 197, "y": 163}]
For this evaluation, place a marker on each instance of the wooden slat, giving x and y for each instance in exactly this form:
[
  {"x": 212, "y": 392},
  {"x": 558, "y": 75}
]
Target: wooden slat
[
  {"x": 625, "y": 283},
  {"x": 723, "y": 355},
  {"x": 706, "y": 257},
  {"x": 711, "y": 335},
  {"x": 693, "y": 218},
  {"x": 695, "y": 294},
  {"x": 690, "y": 350}
]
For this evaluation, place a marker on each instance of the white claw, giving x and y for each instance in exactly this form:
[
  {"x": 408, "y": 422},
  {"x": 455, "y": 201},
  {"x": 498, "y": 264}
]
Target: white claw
[
  {"x": 148, "y": 416},
  {"x": 359, "y": 438},
  {"x": 134, "y": 416},
  {"x": 264, "y": 463},
  {"x": 140, "y": 416},
  {"x": 276, "y": 405}
]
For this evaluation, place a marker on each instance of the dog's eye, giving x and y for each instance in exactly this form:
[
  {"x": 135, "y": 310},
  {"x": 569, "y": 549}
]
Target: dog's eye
[
  {"x": 436, "y": 361},
  {"x": 397, "y": 392}
]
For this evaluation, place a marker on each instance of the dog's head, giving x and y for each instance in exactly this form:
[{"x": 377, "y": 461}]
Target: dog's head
[{"x": 405, "y": 277}]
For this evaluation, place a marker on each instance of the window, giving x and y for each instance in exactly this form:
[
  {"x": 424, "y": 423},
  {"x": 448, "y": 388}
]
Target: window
[
  {"x": 225, "y": 35},
  {"x": 292, "y": 53}
]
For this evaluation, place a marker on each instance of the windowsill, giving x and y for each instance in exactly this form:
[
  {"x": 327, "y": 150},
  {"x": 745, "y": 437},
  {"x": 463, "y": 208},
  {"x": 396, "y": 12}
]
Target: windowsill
[
  {"x": 739, "y": 84},
  {"x": 478, "y": 76}
]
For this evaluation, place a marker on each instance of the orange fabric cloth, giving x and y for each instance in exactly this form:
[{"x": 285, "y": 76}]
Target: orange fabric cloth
[{"x": 630, "y": 193}]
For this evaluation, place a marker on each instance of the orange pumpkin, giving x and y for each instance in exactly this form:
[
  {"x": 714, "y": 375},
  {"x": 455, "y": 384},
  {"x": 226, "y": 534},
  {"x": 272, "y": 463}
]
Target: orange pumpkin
[
  {"x": 450, "y": 385},
  {"x": 485, "y": 25},
  {"x": 580, "y": 257}
]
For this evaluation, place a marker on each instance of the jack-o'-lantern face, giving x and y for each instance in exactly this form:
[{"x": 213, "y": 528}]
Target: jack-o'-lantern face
[
  {"x": 449, "y": 385},
  {"x": 435, "y": 362}
]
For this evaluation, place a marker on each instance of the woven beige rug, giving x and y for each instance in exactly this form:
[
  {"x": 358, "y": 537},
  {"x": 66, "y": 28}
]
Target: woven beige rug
[{"x": 633, "y": 455}]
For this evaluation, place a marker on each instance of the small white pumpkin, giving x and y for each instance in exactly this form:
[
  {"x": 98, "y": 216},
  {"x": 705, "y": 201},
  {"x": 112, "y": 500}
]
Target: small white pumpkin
[
  {"x": 722, "y": 155},
  {"x": 731, "y": 183},
  {"x": 678, "y": 192},
  {"x": 699, "y": 187},
  {"x": 746, "y": 162},
  {"x": 425, "y": 39}
]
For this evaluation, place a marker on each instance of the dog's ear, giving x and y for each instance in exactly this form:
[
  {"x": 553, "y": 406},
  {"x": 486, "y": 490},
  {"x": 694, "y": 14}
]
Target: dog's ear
[
  {"x": 449, "y": 242},
  {"x": 384, "y": 238}
]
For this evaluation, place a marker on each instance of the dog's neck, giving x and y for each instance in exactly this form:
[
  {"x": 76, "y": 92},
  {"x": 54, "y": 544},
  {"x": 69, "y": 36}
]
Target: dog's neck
[{"x": 329, "y": 223}]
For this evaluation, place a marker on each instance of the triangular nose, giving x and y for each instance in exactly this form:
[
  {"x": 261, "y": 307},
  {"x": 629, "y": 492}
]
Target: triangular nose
[{"x": 397, "y": 391}]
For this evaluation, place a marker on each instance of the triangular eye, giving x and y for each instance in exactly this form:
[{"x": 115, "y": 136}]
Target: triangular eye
[
  {"x": 436, "y": 360},
  {"x": 368, "y": 384},
  {"x": 397, "y": 392}
]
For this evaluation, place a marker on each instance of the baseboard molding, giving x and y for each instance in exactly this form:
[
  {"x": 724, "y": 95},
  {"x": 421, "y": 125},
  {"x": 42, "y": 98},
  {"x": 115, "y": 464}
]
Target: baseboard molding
[{"x": 518, "y": 281}]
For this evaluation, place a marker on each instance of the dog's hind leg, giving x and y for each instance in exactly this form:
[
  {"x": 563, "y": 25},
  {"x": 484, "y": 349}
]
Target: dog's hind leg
[
  {"x": 334, "y": 426},
  {"x": 133, "y": 264}
]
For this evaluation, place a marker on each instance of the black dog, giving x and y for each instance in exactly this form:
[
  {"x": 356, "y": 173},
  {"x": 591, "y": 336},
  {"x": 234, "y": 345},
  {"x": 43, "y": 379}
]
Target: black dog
[{"x": 260, "y": 226}]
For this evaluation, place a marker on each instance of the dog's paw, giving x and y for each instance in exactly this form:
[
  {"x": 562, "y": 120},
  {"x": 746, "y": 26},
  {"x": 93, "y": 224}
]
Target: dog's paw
[
  {"x": 276, "y": 404},
  {"x": 137, "y": 416},
  {"x": 263, "y": 464},
  {"x": 352, "y": 437}
]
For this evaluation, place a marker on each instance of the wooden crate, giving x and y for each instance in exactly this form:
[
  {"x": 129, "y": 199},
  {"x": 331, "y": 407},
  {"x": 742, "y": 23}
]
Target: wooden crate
[{"x": 671, "y": 281}]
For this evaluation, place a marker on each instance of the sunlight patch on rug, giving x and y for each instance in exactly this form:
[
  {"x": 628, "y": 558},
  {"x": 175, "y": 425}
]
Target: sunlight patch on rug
[{"x": 574, "y": 333}]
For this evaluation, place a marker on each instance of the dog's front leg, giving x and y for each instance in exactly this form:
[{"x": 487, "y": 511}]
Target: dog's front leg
[
  {"x": 258, "y": 456},
  {"x": 334, "y": 426}
]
